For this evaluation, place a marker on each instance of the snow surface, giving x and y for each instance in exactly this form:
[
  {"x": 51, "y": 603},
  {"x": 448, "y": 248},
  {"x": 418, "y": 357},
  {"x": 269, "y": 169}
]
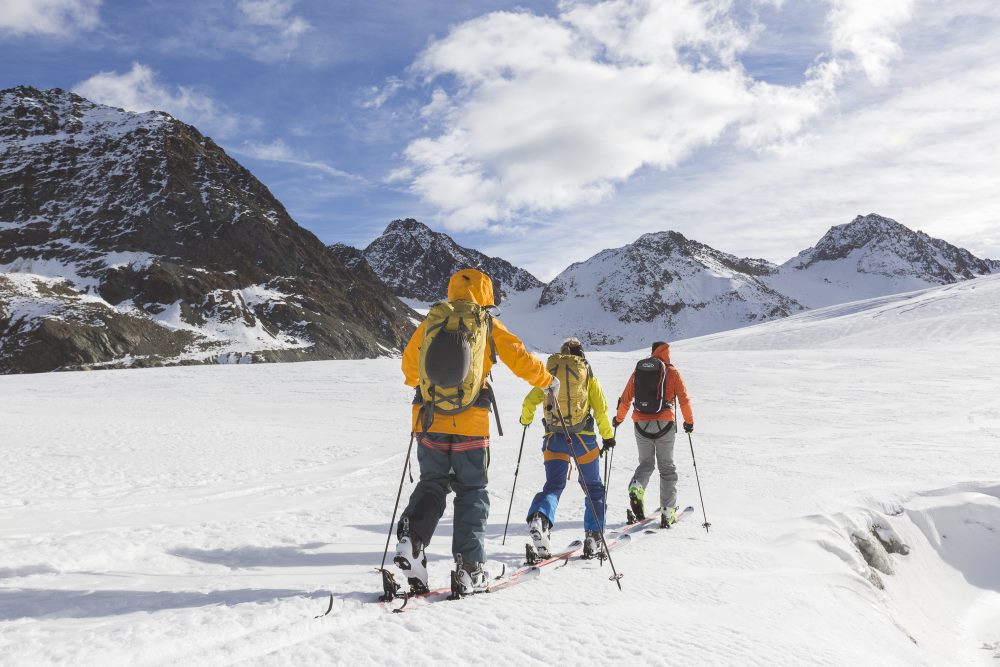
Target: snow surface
[{"x": 201, "y": 514}]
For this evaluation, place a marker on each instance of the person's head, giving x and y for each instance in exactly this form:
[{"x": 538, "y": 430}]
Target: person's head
[
  {"x": 656, "y": 345},
  {"x": 472, "y": 285},
  {"x": 571, "y": 345}
]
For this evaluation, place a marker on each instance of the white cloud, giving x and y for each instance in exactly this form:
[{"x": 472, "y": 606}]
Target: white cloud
[
  {"x": 550, "y": 113},
  {"x": 139, "y": 90},
  {"x": 921, "y": 150},
  {"x": 274, "y": 14},
  {"x": 869, "y": 31},
  {"x": 48, "y": 17},
  {"x": 268, "y": 31},
  {"x": 279, "y": 151},
  {"x": 376, "y": 96}
]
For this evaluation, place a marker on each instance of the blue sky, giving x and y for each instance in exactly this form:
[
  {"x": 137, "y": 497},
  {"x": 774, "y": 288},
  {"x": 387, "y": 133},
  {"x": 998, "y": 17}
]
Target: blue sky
[{"x": 548, "y": 131}]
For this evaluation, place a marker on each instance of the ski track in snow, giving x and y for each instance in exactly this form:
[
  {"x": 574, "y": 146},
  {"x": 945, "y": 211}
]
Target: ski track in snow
[{"x": 201, "y": 515}]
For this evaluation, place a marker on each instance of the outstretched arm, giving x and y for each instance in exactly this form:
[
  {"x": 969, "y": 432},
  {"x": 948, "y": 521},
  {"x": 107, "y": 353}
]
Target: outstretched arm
[{"x": 516, "y": 357}]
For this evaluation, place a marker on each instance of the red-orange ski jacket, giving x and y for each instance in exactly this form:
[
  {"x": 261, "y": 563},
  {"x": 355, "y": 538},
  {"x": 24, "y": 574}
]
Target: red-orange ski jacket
[{"x": 675, "y": 387}]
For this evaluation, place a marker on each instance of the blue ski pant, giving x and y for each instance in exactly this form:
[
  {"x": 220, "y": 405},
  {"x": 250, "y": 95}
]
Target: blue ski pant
[
  {"x": 451, "y": 463},
  {"x": 557, "y": 462}
]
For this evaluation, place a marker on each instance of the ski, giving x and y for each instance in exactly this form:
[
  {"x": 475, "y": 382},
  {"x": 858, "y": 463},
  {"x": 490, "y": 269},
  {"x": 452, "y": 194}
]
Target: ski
[
  {"x": 624, "y": 536},
  {"x": 520, "y": 575}
]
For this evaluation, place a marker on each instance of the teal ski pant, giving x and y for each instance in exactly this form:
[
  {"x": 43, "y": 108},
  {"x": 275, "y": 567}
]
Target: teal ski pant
[{"x": 452, "y": 463}]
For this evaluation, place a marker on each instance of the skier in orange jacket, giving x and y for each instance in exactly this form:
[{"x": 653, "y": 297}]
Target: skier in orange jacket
[
  {"x": 650, "y": 393},
  {"x": 453, "y": 449}
]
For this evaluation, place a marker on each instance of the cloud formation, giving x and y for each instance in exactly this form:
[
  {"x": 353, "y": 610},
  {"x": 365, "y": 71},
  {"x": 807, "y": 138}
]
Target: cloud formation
[
  {"x": 550, "y": 113},
  {"x": 267, "y": 31},
  {"x": 139, "y": 90},
  {"x": 48, "y": 17},
  {"x": 279, "y": 151}
]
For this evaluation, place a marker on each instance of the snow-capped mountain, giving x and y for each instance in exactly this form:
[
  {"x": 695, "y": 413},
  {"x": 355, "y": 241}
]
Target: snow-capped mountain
[
  {"x": 416, "y": 262},
  {"x": 131, "y": 238},
  {"x": 874, "y": 256},
  {"x": 661, "y": 286}
]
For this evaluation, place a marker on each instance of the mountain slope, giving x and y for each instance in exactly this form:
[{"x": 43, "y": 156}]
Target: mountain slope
[
  {"x": 661, "y": 286},
  {"x": 963, "y": 313},
  {"x": 145, "y": 213},
  {"x": 416, "y": 262},
  {"x": 873, "y": 256}
]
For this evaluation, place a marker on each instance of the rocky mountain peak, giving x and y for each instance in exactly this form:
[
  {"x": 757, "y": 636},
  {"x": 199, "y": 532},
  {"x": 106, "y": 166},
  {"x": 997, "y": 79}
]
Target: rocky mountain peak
[
  {"x": 879, "y": 245},
  {"x": 416, "y": 262},
  {"x": 663, "y": 284},
  {"x": 150, "y": 220}
]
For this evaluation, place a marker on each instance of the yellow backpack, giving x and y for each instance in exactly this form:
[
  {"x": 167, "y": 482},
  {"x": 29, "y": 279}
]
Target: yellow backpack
[
  {"x": 450, "y": 365},
  {"x": 574, "y": 385}
]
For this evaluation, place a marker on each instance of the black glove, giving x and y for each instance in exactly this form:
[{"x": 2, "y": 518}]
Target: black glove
[
  {"x": 688, "y": 427},
  {"x": 608, "y": 444},
  {"x": 615, "y": 423}
]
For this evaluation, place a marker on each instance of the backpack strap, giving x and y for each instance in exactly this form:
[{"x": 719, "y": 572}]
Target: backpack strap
[
  {"x": 496, "y": 409},
  {"x": 493, "y": 345},
  {"x": 658, "y": 434}
]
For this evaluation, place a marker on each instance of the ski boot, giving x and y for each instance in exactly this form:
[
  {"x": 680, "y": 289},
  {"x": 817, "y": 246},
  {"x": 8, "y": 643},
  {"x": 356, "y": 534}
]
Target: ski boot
[
  {"x": 468, "y": 578},
  {"x": 668, "y": 517},
  {"x": 593, "y": 546},
  {"x": 411, "y": 559},
  {"x": 635, "y": 494},
  {"x": 540, "y": 531}
]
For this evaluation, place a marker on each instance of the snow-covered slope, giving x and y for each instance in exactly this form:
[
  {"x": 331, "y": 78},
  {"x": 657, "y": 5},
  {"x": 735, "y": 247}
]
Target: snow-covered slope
[
  {"x": 416, "y": 262},
  {"x": 967, "y": 312},
  {"x": 661, "y": 286},
  {"x": 140, "y": 528},
  {"x": 147, "y": 215},
  {"x": 873, "y": 256}
]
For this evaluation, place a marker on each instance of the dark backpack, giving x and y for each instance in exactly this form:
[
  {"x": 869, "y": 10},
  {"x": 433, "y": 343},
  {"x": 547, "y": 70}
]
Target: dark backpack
[{"x": 650, "y": 386}]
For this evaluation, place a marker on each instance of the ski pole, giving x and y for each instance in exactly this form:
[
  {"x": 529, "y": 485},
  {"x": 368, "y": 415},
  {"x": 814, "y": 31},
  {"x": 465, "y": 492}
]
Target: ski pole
[
  {"x": 516, "y": 469},
  {"x": 399, "y": 493},
  {"x": 700, "y": 497},
  {"x": 607, "y": 474},
  {"x": 593, "y": 510}
]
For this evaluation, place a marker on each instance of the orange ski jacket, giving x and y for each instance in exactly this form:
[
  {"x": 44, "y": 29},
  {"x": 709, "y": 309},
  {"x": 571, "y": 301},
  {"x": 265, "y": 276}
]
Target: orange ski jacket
[
  {"x": 675, "y": 388},
  {"x": 473, "y": 285}
]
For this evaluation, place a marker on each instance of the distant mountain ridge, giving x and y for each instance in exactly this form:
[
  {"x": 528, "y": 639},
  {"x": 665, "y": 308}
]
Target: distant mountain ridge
[
  {"x": 874, "y": 256},
  {"x": 665, "y": 285},
  {"x": 132, "y": 239},
  {"x": 662, "y": 282},
  {"x": 416, "y": 262}
]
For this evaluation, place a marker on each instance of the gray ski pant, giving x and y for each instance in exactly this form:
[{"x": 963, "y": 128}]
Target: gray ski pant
[
  {"x": 657, "y": 453},
  {"x": 452, "y": 462}
]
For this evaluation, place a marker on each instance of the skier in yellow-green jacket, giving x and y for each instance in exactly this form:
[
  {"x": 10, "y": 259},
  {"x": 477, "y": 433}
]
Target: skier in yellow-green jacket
[{"x": 581, "y": 405}]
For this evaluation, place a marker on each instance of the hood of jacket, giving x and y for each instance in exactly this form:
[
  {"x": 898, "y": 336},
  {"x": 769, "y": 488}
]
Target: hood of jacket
[
  {"x": 663, "y": 353},
  {"x": 471, "y": 285}
]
